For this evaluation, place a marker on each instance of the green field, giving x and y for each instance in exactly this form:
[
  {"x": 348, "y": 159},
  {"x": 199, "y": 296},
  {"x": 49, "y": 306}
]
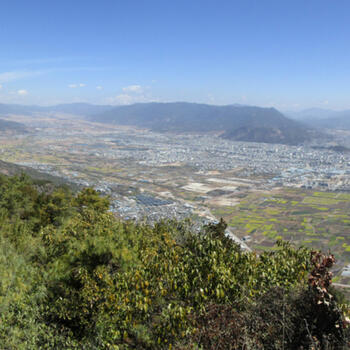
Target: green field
[{"x": 319, "y": 220}]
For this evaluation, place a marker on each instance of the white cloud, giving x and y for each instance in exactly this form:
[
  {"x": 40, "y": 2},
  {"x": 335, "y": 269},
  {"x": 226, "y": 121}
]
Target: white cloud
[
  {"x": 74, "y": 86},
  {"x": 211, "y": 98},
  {"x": 132, "y": 94},
  {"x": 22, "y": 92},
  {"x": 126, "y": 99},
  {"x": 0, "y": 86},
  {"x": 122, "y": 99},
  {"x": 16, "y": 75},
  {"x": 133, "y": 89},
  {"x": 99, "y": 87},
  {"x": 44, "y": 60}
]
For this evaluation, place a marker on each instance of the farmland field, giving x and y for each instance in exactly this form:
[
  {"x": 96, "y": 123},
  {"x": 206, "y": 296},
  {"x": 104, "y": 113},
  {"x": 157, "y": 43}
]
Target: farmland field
[{"x": 319, "y": 220}]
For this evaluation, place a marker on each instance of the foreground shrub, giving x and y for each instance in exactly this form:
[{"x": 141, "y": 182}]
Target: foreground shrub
[
  {"x": 75, "y": 277},
  {"x": 307, "y": 317}
]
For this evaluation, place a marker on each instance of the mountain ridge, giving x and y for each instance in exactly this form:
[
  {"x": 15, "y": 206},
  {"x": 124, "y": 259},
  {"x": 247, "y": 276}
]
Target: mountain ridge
[
  {"x": 323, "y": 118},
  {"x": 196, "y": 117},
  {"x": 235, "y": 122}
]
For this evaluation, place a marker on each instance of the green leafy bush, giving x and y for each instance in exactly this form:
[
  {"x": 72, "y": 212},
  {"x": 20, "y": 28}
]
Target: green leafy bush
[{"x": 75, "y": 277}]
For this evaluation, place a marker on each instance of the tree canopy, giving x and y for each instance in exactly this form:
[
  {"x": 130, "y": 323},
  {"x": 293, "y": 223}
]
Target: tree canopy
[{"x": 75, "y": 277}]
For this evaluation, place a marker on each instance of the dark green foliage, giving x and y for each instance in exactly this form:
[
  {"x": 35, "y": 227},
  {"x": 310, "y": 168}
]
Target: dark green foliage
[{"x": 74, "y": 277}]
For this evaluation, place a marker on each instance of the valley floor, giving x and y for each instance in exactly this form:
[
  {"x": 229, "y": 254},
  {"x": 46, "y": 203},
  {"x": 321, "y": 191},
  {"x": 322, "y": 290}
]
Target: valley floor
[{"x": 263, "y": 191}]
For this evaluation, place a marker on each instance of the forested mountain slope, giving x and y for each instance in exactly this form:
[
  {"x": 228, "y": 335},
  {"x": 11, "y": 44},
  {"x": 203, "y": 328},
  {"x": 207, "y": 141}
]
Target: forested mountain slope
[{"x": 74, "y": 277}]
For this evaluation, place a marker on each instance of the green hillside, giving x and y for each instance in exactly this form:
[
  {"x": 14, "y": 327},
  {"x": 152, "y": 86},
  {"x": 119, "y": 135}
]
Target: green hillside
[
  {"x": 7, "y": 168},
  {"x": 74, "y": 277}
]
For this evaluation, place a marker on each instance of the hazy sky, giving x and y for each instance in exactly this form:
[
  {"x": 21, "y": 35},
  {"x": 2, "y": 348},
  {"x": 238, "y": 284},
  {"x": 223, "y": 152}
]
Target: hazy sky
[{"x": 289, "y": 54}]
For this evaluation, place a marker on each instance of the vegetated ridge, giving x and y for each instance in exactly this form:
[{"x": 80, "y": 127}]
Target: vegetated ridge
[
  {"x": 235, "y": 122},
  {"x": 75, "y": 277}
]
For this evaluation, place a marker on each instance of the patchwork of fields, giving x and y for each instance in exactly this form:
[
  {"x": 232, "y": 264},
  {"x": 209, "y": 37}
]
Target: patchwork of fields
[{"x": 320, "y": 220}]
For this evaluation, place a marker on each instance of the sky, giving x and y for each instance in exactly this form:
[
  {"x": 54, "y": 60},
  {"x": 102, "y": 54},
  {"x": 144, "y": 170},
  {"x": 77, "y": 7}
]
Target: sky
[{"x": 289, "y": 54}]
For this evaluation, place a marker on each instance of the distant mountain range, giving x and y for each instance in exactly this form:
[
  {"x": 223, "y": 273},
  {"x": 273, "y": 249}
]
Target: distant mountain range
[
  {"x": 235, "y": 122},
  {"x": 323, "y": 118},
  {"x": 81, "y": 109}
]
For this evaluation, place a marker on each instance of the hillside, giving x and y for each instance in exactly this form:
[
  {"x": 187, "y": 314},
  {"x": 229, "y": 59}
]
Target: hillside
[
  {"x": 283, "y": 135},
  {"x": 340, "y": 121},
  {"x": 235, "y": 122},
  {"x": 243, "y": 123},
  {"x": 11, "y": 169},
  {"x": 324, "y": 118},
  {"x": 7, "y": 109},
  {"x": 12, "y": 127},
  {"x": 75, "y": 277}
]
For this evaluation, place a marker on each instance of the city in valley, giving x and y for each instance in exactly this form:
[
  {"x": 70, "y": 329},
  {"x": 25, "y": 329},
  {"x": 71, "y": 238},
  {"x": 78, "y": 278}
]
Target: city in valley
[
  {"x": 263, "y": 191},
  {"x": 175, "y": 175}
]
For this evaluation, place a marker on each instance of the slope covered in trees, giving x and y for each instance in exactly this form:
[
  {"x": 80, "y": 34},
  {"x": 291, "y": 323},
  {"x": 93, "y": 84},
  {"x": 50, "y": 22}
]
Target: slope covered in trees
[{"x": 74, "y": 277}]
